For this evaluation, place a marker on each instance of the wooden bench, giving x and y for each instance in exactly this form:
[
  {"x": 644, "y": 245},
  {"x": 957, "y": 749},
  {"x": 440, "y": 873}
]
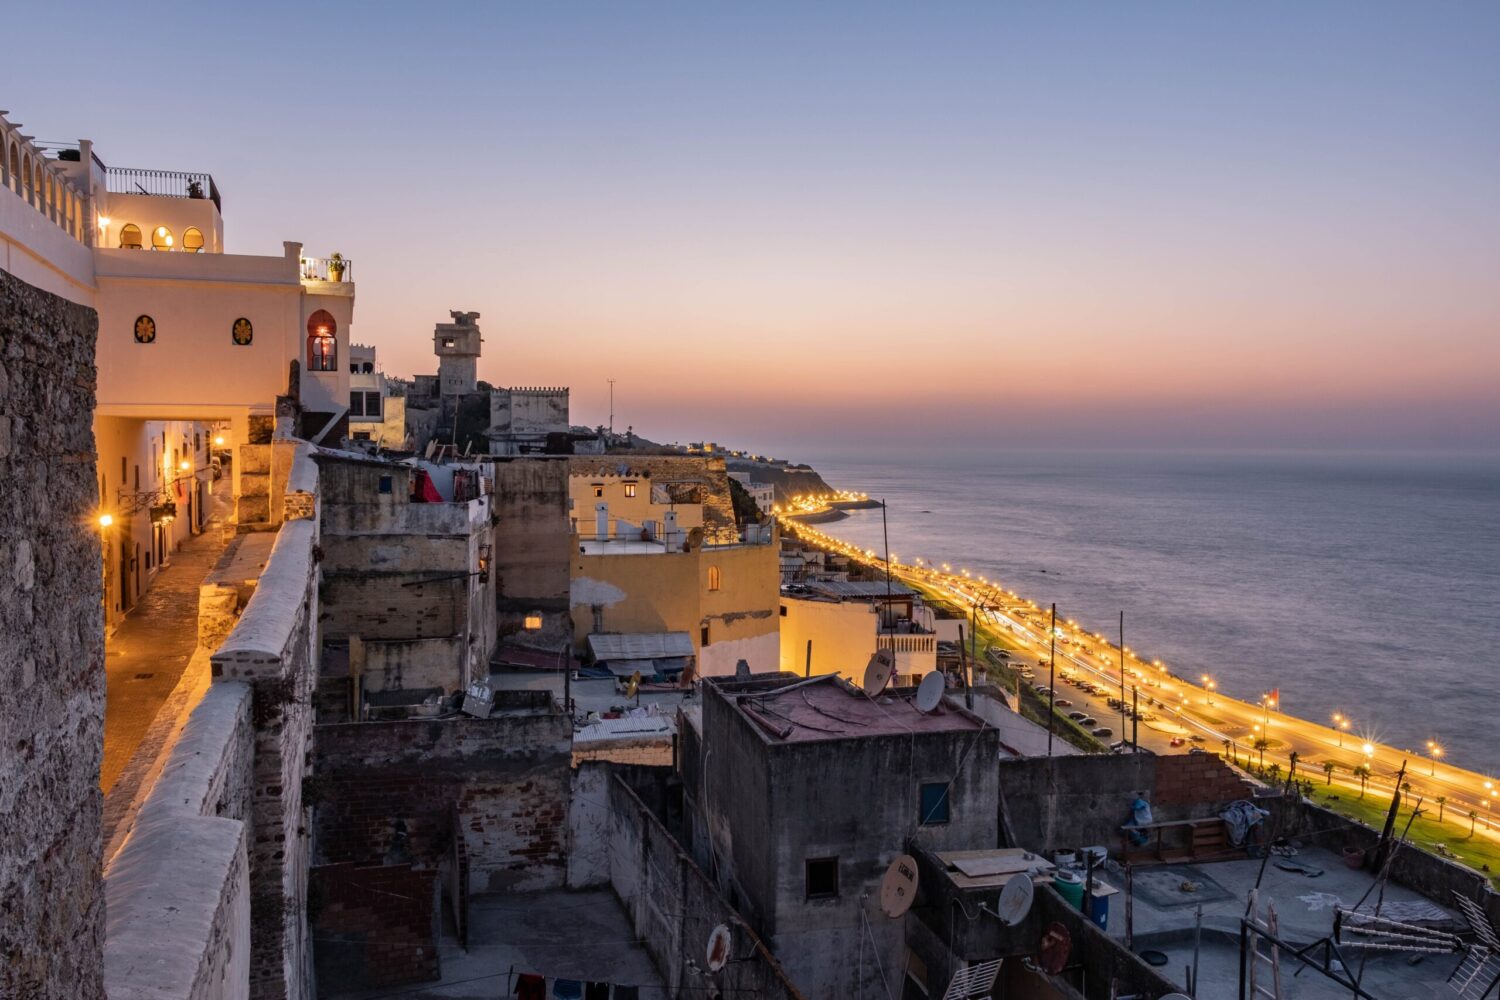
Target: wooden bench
[{"x": 1206, "y": 838}]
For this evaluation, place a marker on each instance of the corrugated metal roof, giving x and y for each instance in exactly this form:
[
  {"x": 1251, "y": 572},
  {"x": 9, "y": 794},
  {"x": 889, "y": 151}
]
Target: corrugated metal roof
[{"x": 642, "y": 646}]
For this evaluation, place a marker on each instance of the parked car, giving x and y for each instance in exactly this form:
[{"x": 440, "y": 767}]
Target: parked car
[
  {"x": 1063, "y": 703},
  {"x": 1076, "y": 716},
  {"x": 1196, "y": 750},
  {"x": 1104, "y": 732},
  {"x": 1177, "y": 741},
  {"x": 1088, "y": 720},
  {"x": 1198, "y": 738}
]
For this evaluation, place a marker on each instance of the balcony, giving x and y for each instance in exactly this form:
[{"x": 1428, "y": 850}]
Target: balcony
[
  {"x": 335, "y": 268},
  {"x": 162, "y": 184}
]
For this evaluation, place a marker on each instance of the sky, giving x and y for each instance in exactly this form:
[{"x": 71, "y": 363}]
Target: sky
[{"x": 831, "y": 226}]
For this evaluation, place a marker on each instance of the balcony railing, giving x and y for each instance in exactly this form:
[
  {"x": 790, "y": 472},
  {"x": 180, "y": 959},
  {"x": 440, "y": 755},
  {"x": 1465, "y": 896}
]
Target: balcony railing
[
  {"x": 162, "y": 184},
  {"x": 327, "y": 269}
]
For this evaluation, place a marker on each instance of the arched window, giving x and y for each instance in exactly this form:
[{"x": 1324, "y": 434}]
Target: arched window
[
  {"x": 322, "y": 345},
  {"x": 15, "y": 167},
  {"x": 714, "y": 578},
  {"x": 367, "y": 368},
  {"x": 130, "y": 237},
  {"x": 192, "y": 240},
  {"x": 161, "y": 238},
  {"x": 26, "y": 177}
]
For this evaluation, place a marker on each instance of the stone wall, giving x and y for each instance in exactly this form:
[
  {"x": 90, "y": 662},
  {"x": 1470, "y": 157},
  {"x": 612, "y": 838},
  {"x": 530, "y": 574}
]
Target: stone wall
[
  {"x": 533, "y": 543},
  {"x": 390, "y": 791},
  {"x": 52, "y": 634}
]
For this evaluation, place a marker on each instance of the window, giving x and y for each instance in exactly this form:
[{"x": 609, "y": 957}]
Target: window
[
  {"x": 533, "y": 622},
  {"x": 356, "y": 404},
  {"x": 449, "y": 342},
  {"x": 714, "y": 578},
  {"x": 598, "y": 491},
  {"x": 822, "y": 878},
  {"x": 385, "y": 484},
  {"x": 783, "y": 611},
  {"x": 934, "y": 804},
  {"x": 368, "y": 368},
  {"x": 130, "y": 237},
  {"x": 145, "y": 330},
  {"x": 322, "y": 348},
  {"x": 703, "y": 636},
  {"x": 242, "y": 332},
  {"x": 192, "y": 240},
  {"x": 372, "y": 404},
  {"x": 361, "y": 435},
  {"x": 630, "y": 489},
  {"x": 353, "y": 369},
  {"x": 161, "y": 238}
]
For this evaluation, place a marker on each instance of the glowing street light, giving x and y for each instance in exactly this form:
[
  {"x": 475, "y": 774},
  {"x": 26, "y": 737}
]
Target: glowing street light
[
  {"x": 1434, "y": 750},
  {"x": 105, "y": 520}
]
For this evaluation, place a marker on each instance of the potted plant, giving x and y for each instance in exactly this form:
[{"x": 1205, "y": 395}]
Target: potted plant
[
  {"x": 336, "y": 267},
  {"x": 195, "y": 189}
]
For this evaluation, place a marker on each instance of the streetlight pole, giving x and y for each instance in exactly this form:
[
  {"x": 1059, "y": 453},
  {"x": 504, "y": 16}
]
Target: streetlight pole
[{"x": 1052, "y": 681}]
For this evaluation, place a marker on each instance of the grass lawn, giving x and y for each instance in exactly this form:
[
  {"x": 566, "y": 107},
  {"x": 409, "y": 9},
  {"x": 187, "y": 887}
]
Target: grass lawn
[{"x": 1426, "y": 832}]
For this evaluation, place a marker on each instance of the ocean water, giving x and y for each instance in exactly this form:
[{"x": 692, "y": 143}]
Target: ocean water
[{"x": 1368, "y": 585}]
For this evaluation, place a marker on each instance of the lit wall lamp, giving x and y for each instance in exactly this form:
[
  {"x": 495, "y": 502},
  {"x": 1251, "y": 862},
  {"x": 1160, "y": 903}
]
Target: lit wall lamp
[
  {"x": 106, "y": 521},
  {"x": 484, "y": 563}
]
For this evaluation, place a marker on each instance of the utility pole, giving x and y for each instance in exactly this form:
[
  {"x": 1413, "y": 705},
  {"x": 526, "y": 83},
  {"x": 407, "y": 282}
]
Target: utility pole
[
  {"x": 1122, "y": 675},
  {"x": 611, "y": 407},
  {"x": 1052, "y": 681}
]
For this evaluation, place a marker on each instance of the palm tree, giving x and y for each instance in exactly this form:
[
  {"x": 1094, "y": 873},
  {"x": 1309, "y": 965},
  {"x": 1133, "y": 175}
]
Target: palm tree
[
  {"x": 1473, "y": 818},
  {"x": 1274, "y": 770},
  {"x": 1442, "y": 800},
  {"x": 1363, "y": 773},
  {"x": 1328, "y": 767}
]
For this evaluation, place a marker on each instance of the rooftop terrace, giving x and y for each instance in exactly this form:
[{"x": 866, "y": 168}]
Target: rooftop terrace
[{"x": 829, "y": 708}]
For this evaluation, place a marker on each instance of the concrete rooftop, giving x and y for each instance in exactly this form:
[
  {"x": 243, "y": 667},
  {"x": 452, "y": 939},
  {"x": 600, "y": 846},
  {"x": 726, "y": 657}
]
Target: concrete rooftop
[
  {"x": 830, "y": 709},
  {"x": 1164, "y": 917}
]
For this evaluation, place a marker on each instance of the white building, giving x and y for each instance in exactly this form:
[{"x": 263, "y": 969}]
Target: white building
[
  {"x": 195, "y": 345},
  {"x": 376, "y": 413},
  {"x": 764, "y": 494}
]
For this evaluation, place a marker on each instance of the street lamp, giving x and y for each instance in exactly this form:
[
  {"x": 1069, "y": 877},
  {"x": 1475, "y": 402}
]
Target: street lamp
[{"x": 1435, "y": 750}]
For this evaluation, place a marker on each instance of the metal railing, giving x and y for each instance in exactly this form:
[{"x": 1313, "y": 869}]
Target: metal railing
[
  {"x": 324, "y": 269},
  {"x": 162, "y": 184}
]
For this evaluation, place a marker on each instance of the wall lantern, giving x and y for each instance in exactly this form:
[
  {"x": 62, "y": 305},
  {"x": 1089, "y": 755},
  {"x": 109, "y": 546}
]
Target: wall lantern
[
  {"x": 484, "y": 564},
  {"x": 163, "y": 513}
]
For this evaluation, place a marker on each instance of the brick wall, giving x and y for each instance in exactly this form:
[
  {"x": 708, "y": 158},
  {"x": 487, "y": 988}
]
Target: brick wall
[
  {"x": 393, "y": 791},
  {"x": 373, "y": 926},
  {"x": 52, "y": 650},
  {"x": 1196, "y": 779}
]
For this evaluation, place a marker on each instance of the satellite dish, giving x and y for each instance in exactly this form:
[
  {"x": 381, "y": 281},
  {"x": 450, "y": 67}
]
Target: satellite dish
[
  {"x": 930, "y": 691},
  {"x": 718, "y": 948},
  {"x": 1015, "y": 900},
  {"x": 1055, "y": 948},
  {"x": 878, "y": 673},
  {"x": 899, "y": 886},
  {"x": 633, "y": 686}
]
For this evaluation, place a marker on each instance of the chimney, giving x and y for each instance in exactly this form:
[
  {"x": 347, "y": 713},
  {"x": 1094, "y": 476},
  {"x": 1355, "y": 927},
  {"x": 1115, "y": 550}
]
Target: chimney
[{"x": 601, "y": 521}]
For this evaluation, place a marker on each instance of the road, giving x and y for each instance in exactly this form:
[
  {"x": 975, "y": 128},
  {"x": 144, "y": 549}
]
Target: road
[{"x": 1222, "y": 724}]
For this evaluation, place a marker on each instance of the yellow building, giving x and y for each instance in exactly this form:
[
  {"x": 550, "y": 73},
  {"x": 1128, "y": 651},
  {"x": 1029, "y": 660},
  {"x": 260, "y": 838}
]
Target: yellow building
[{"x": 725, "y": 597}]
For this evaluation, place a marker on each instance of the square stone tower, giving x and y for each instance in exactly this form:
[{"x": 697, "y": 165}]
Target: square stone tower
[{"x": 457, "y": 348}]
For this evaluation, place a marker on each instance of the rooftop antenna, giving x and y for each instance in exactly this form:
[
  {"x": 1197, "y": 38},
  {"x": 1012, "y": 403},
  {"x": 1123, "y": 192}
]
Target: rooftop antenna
[
  {"x": 1015, "y": 899},
  {"x": 898, "y": 888},
  {"x": 611, "y": 407},
  {"x": 889, "y": 613},
  {"x": 878, "y": 672},
  {"x": 930, "y": 692}
]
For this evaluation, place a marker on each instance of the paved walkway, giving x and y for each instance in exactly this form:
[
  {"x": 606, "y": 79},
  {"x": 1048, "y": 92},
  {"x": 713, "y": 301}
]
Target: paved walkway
[{"x": 145, "y": 657}]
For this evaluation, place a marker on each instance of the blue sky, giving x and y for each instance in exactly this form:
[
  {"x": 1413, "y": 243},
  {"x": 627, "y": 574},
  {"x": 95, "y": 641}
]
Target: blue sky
[{"x": 1094, "y": 225}]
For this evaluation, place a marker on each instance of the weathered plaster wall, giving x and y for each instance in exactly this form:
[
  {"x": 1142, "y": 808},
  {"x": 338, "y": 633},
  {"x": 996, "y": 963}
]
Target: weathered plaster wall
[
  {"x": 674, "y": 907},
  {"x": 396, "y": 790},
  {"x": 533, "y": 543},
  {"x": 179, "y": 889},
  {"x": 52, "y": 635},
  {"x": 1076, "y": 801},
  {"x": 272, "y": 649}
]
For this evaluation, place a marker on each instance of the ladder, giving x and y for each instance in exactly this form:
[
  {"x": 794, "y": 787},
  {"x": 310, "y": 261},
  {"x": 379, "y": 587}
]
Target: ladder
[
  {"x": 1266, "y": 925},
  {"x": 1479, "y": 971}
]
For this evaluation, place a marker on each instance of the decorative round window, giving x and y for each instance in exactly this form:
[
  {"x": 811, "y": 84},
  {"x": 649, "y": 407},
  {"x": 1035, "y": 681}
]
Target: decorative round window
[
  {"x": 145, "y": 330},
  {"x": 243, "y": 332}
]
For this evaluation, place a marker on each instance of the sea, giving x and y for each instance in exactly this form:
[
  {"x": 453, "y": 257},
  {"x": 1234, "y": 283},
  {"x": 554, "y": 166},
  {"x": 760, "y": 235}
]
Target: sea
[{"x": 1362, "y": 584}]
